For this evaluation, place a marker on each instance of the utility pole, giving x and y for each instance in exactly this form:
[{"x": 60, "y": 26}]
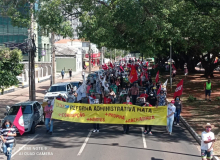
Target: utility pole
[
  {"x": 53, "y": 59},
  {"x": 33, "y": 50},
  {"x": 89, "y": 57},
  {"x": 101, "y": 56},
  {"x": 171, "y": 65}
]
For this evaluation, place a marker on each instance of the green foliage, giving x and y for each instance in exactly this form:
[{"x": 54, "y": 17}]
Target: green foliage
[
  {"x": 191, "y": 98},
  {"x": 10, "y": 67},
  {"x": 217, "y": 98}
]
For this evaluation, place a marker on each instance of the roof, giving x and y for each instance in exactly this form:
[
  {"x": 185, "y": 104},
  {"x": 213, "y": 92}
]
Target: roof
[
  {"x": 59, "y": 84},
  {"x": 62, "y": 49},
  {"x": 25, "y": 103}
]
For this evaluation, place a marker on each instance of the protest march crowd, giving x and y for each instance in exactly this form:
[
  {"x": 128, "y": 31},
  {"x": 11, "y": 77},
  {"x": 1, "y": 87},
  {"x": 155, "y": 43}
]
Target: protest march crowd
[{"x": 132, "y": 84}]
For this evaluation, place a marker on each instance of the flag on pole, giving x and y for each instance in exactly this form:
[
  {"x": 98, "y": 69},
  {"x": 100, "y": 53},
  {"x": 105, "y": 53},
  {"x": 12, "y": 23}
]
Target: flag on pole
[
  {"x": 133, "y": 75},
  {"x": 173, "y": 67},
  {"x": 19, "y": 121},
  {"x": 158, "y": 91},
  {"x": 179, "y": 89},
  {"x": 157, "y": 76},
  {"x": 105, "y": 67},
  {"x": 111, "y": 65},
  {"x": 165, "y": 83}
]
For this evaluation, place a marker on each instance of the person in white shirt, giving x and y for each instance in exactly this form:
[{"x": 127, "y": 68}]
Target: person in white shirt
[
  {"x": 208, "y": 139},
  {"x": 170, "y": 116}
]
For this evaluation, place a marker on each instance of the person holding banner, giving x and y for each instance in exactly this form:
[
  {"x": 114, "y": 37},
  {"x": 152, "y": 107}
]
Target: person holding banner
[
  {"x": 147, "y": 104},
  {"x": 126, "y": 126},
  {"x": 48, "y": 113},
  {"x": 7, "y": 135},
  {"x": 170, "y": 116}
]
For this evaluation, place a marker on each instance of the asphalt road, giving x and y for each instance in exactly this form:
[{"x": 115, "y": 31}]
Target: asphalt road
[{"x": 68, "y": 142}]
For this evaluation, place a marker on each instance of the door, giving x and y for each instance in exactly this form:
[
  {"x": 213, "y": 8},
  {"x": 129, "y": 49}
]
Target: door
[
  {"x": 36, "y": 114},
  {"x": 40, "y": 109}
]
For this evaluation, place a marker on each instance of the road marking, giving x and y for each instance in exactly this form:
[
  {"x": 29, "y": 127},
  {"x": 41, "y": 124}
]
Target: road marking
[
  {"x": 143, "y": 136},
  {"x": 84, "y": 144},
  {"x": 20, "y": 148}
]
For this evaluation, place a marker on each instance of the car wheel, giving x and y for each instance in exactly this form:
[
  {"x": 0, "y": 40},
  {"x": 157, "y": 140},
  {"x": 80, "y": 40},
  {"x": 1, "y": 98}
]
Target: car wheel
[
  {"x": 32, "y": 128},
  {"x": 42, "y": 120}
]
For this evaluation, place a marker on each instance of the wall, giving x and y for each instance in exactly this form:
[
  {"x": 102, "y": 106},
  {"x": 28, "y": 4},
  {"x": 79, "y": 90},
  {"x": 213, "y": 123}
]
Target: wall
[{"x": 65, "y": 63}]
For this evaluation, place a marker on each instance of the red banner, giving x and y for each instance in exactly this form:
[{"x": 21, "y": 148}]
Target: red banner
[
  {"x": 133, "y": 75},
  {"x": 179, "y": 89},
  {"x": 157, "y": 77},
  {"x": 19, "y": 121}
]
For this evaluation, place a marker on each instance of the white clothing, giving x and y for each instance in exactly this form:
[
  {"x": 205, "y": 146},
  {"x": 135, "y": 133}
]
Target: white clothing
[
  {"x": 206, "y": 137},
  {"x": 171, "y": 109}
]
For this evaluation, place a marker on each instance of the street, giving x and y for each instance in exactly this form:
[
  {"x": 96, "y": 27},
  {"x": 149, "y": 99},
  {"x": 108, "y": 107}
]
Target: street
[
  {"x": 76, "y": 140},
  {"x": 72, "y": 140}
]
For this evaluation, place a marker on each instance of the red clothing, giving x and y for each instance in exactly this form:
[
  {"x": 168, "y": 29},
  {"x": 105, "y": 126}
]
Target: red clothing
[
  {"x": 144, "y": 95},
  {"x": 126, "y": 103},
  {"x": 61, "y": 99},
  {"x": 107, "y": 100},
  {"x": 48, "y": 108},
  {"x": 148, "y": 106},
  {"x": 94, "y": 97}
]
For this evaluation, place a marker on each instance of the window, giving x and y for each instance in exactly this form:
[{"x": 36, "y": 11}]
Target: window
[{"x": 35, "y": 107}]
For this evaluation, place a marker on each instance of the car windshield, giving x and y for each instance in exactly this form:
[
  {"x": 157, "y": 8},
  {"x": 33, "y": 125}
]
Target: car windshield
[
  {"x": 25, "y": 110},
  {"x": 74, "y": 84},
  {"x": 57, "y": 88}
]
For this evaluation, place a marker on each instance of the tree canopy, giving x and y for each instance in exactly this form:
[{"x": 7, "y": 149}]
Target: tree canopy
[
  {"x": 141, "y": 25},
  {"x": 10, "y": 67}
]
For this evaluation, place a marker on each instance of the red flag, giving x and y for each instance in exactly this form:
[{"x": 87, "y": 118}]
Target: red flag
[
  {"x": 19, "y": 121},
  {"x": 133, "y": 75},
  {"x": 179, "y": 89},
  {"x": 121, "y": 68},
  {"x": 105, "y": 67},
  {"x": 111, "y": 65},
  {"x": 147, "y": 63},
  {"x": 173, "y": 67},
  {"x": 157, "y": 77},
  {"x": 158, "y": 91}
]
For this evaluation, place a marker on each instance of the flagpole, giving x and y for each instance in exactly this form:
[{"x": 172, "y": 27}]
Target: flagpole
[{"x": 170, "y": 66}]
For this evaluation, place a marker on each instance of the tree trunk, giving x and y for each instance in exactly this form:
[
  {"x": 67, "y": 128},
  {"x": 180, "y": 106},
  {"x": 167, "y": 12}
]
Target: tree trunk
[{"x": 2, "y": 91}]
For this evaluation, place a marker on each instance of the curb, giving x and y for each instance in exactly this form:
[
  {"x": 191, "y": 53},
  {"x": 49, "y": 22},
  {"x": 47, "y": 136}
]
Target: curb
[{"x": 194, "y": 134}]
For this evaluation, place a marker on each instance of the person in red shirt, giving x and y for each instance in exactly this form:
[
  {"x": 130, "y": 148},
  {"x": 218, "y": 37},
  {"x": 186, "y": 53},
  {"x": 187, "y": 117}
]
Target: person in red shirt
[
  {"x": 126, "y": 126},
  {"x": 145, "y": 95},
  {"x": 107, "y": 100},
  {"x": 147, "y": 104},
  {"x": 60, "y": 98}
]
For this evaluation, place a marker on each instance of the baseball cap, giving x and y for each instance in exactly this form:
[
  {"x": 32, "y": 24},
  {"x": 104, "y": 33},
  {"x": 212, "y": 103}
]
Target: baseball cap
[{"x": 172, "y": 101}]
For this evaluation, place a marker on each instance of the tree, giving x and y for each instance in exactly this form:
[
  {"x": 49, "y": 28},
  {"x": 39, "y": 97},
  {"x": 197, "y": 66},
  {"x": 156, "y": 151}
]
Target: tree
[{"x": 10, "y": 67}]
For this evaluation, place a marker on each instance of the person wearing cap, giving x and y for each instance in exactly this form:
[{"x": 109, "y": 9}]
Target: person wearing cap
[
  {"x": 126, "y": 126},
  {"x": 207, "y": 142},
  {"x": 152, "y": 99},
  {"x": 171, "y": 109},
  {"x": 48, "y": 113},
  {"x": 147, "y": 104}
]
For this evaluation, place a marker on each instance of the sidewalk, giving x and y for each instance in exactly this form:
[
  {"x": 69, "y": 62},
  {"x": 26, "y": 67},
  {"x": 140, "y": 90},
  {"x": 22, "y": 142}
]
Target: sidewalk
[{"x": 22, "y": 94}]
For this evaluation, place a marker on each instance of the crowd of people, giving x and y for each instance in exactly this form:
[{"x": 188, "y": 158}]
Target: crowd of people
[{"x": 112, "y": 86}]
